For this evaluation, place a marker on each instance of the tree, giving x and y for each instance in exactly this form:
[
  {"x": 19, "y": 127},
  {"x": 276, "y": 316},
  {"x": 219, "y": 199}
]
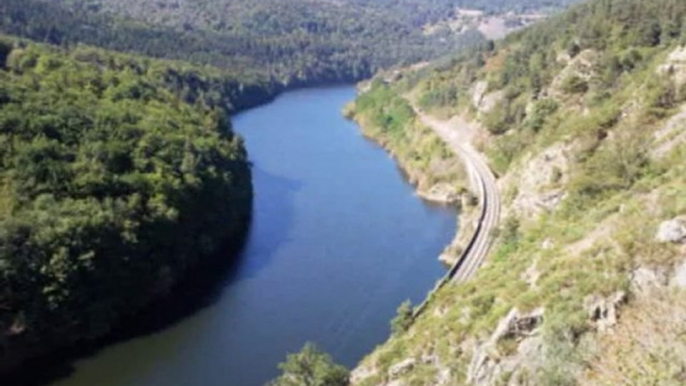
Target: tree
[
  {"x": 403, "y": 319},
  {"x": 311, "y": 367}
]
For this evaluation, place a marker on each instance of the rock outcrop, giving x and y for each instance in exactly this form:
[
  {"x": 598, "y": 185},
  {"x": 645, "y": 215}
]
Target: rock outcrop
[
  {"x": 581, "y": 66},
  {"x": 643, "y": 279},
  {"x": 485, "y": 102},
  {"x": 401, "y": 368},
  {"x": 488, "y": 366},
  {"x": 443, "y": 193},
  {"x": 672, "y": 231},
  {"x": 679, "y": 277},
  {"x": 603, "y": 311},
  {"x": 540, "y": 182},
  {"x": 675, "y": 66}
]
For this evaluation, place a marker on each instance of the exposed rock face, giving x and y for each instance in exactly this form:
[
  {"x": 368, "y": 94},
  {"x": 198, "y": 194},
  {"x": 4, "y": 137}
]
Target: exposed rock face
[
  {"x": 517, "y": 325},
  {"x": 581, "y": 66},
  {"x": 487, "y": 366},
  {"x": 482, "y": 101},
  {"x": 442, "y": 193},
  {"x": 401, "y": 368},
  {"x": 478, "y": 91},
  {"x": 679, "y": 278},
  {"x": 540, "y": 182},
  {"x": 672, "y": 231},
  {"x": 644, "y": 279},
  {"x": 675, "y": 66},
  {"x": 448, "y": 257},
  {"x": 603, "y": 311},
  {"x": 547, "y": 244}
]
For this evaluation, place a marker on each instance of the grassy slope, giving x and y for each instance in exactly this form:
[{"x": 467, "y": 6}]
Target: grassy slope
[
  {"x": 616, "y": 194},
  {"x": 389, "y": 119}
]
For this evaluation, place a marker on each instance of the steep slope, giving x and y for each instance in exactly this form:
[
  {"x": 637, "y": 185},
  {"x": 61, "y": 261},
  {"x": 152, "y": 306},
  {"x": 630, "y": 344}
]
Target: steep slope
[{"x": 582, "y": 119}]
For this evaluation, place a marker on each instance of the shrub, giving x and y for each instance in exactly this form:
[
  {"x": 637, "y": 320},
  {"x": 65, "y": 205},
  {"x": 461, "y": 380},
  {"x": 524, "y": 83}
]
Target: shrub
[
  {"x": 311, "y": 367},
  {"x": 540, "y": 112},
  {"x": 661, "y": 96},
  {"x": 615, "y": 166},
  {"x": 574, "y": 84},
  {"x": 403, "y": 318}
]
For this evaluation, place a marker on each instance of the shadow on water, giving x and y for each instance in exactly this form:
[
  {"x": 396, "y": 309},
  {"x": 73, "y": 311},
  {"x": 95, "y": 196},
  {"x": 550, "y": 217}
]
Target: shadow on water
[
  {"x": 204, "y": 286},
  {"x": 273, "y": 213}
]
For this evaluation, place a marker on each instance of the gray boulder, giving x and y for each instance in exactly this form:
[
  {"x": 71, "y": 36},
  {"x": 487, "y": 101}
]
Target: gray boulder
[{"x": 672, "y": 231}]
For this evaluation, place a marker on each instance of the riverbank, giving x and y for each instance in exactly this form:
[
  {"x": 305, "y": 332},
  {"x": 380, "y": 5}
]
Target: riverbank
[
  {"x": 307, "y": 217},
  {"x": 182, "y": 86},
  {"x": 437, "y": 173}
]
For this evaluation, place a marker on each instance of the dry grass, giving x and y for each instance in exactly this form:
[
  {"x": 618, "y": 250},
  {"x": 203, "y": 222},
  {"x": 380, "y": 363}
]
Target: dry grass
[{"x": 648, "y": 346}]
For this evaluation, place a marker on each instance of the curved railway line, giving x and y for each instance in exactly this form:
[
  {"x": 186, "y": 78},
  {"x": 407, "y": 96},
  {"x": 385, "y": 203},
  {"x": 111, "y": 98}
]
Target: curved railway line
[{"x": 483, "y": 180}]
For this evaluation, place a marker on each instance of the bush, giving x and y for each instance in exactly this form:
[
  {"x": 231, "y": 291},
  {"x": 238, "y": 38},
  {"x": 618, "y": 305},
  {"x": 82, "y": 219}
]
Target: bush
[
  {"x": 661, "y": 96},
  {"x": 615, "y": 166},
  {"x": 540, "y": 112},
  {"x": 311, "y": 367},
  {"x": 574, "y": 84},
  {"x": 403, "y": 319}
]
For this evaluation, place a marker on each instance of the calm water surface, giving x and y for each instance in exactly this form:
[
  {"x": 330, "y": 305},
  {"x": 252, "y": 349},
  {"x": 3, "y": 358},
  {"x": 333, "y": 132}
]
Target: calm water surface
[{"x": 338, "y": 240}]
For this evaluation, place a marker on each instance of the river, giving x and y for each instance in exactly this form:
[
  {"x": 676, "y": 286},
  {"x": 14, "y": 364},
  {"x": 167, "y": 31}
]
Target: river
[{"x": 338, "y": 241}]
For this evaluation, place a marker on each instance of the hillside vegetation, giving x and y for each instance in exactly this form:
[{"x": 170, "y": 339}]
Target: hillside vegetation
[
  {"x": 582, "y": 117},
  {"x": 297, "y": 42},
  {"x": 389, "y": 120},
  {"x": 117, "y": 175}
]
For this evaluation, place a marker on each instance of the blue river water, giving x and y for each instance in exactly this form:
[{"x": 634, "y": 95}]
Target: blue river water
[{"x": 338, "y": 241}]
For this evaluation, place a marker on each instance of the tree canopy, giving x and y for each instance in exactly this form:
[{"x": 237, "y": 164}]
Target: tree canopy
[
  {"x": 296, "y": 42},
  {"x": 117, "y": 175},
  {"x": 311, "y": 367}
]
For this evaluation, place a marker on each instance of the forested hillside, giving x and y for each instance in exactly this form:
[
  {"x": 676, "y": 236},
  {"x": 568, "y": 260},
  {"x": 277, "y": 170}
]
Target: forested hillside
[
  {"x": 118, "y": 174},
  {"x": 297, "y": 42},
  {"x": 583, "y": 118}
]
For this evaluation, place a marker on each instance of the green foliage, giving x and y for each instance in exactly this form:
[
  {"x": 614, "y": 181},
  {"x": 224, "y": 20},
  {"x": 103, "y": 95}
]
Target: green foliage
[
  {"x": 389, "y": 119},
  {"x": 496, "y": 121},
  {"x": 505, "y": 151},
  {"x": 112, "y": 188},
  {"x": 296, "y": 42},
  {"x": 390, "y": 113},
  {"x": 661, "y": 96},
  {"x": 574, "y": 84},
  {"x": 311, "y": 367},
  {"x": 403, "y": 319},
  {"x": 540, "y": 112},
  {"x": 615, "y": 166},
  {"x": 507, "y": 114}
]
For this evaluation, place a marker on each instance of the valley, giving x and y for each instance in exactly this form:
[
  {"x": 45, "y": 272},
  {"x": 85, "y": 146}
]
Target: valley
[{"x": 185, "y": 142}]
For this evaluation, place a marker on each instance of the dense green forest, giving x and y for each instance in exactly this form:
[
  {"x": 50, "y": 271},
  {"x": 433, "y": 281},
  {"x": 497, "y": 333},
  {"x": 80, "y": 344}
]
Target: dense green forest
[
  {"x": 297, "y": 42},
  {"x": 118, "y": 174}
]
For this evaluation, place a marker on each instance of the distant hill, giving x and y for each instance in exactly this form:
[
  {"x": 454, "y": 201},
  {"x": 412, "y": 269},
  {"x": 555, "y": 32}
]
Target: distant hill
[{"x": 296, "y": 41}]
